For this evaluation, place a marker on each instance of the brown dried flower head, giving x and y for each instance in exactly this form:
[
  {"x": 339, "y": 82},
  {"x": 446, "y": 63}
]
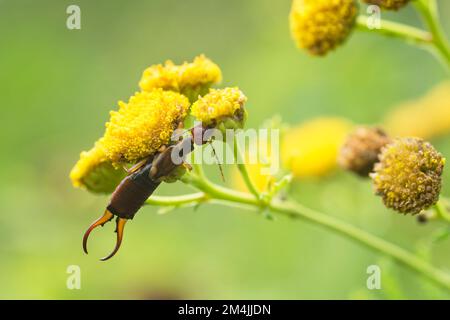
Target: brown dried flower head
[{"x": 361, "y": 149}]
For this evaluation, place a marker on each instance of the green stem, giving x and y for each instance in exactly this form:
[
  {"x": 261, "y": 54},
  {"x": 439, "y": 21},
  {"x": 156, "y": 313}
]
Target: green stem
[
  {"x": 429, "y": 11},
  {"x": 171, "y": 201},
  {"x": 442, "y": 211},
  {"x": 243, "y": 169},
  {"x": 397, "y": 30},
  {"x": 295, "y": 210},
  {"x": 373, "y": 242}
]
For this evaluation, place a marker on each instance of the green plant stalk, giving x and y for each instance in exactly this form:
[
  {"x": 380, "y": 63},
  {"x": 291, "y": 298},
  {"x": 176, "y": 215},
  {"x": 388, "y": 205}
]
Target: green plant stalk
[
  {"x": 441, "y": 210},
  {"x": 295, "y": 210},
  {"x": 434, "y": 41},
  {"x": 429, "y": 12},
  {"x": 243, "y": 169},
  {"x": 401, "y": 31},
  {"x": 174, "y": 201}
]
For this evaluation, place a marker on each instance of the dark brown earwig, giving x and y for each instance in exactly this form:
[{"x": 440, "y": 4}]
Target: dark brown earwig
[{"x": 142, "y": 180}]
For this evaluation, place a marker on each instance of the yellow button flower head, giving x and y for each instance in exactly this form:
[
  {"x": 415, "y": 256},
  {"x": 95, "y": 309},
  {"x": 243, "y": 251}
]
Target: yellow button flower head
[
  {"x": 427, "y": 117},
  {"x": 160, "y": 76},
  {"x": 311, "y": 149},
  {"x": 221, "y": 108},
  {"x": 143, "y": 125},
  {"x": 95, "y": 173},
  {"x": 361, "y": 149},
  {"x": 319, "y": 26},
  {"x": 389, "y": 4},
  {"x": 408, "y": 176},
  {"x": 191, "y": 79}
]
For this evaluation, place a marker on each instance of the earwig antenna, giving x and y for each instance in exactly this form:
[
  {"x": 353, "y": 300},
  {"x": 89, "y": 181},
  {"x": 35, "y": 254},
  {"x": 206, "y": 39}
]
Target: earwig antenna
[{"x": 218, "y": 161}]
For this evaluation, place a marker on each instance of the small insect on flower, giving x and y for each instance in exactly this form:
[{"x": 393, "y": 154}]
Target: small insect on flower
[
  {"x": 320, "y": 26},
  {"x": 140, "y": 132},
  {"x": 389, "y": 4},
  {"x": 408, "y": 176},
  {"x": 361, "y": 149}
]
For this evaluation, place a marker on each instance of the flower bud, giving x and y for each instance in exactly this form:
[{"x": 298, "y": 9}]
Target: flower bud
[
  {"x": 319, "y": 26},
  {"x": 361, "y": 149},
  {"x": 408, "y": 176}
]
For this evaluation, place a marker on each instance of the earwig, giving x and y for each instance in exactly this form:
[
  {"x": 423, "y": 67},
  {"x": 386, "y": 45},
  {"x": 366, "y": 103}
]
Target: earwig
[{"x": 140, "y": 183}]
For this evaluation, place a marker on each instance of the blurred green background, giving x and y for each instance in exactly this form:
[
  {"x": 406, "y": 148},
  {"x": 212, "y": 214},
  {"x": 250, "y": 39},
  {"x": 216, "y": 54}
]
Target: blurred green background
[{"x": 57, "y": 87}]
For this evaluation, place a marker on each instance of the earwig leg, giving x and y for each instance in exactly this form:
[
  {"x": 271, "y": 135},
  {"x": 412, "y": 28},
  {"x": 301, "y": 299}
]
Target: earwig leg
[
  {"x": 120, "y": 225},
  {"x": 136, "y": 167},
  {"x": 162, "y": 148},
  {"x": 188, "y": 166},
  {"x": 107, "y": 216}
]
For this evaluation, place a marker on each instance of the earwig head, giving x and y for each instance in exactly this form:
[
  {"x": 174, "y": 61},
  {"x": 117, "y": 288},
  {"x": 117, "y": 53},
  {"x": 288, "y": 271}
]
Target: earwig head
[{"x": 106, "y": 217}]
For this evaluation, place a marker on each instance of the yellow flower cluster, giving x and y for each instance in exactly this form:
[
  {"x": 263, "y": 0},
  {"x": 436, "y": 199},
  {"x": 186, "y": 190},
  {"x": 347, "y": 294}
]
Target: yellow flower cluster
[
  {"x": 319, "y": 26},
  {"x": 94, "y": 172},
  {"x": 143, "y": 125},
  {"x": 312, "y": 148},
  {"x": 191, "y": 79},
  {"x": 426, "y": 118},
  {"x": 389, "y": 4},
  {"x": 221, "y": 105}
]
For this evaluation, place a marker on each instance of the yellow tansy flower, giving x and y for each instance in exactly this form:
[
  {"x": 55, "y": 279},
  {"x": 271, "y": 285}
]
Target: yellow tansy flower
[
  {"x": 95, "y": 173},
  {"x": 319, "y": 26},
  {"x": 221, "y": 106},
  {"x": 143, "y": 125},
  {"x": 191, "y": 79},
  {"x": 426, "y": 118},
  {"x": 160, "y": 76},
  {"x": 311, "y": 149}
]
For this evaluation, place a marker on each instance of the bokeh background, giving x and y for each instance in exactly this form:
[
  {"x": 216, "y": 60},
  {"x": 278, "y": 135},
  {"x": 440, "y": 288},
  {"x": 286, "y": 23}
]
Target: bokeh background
[{"x": 58, "y": 85}]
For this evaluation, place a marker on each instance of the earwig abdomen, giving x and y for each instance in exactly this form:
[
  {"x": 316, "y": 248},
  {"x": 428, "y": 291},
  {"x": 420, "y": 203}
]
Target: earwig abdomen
[{"x": 132, "y": 192}]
